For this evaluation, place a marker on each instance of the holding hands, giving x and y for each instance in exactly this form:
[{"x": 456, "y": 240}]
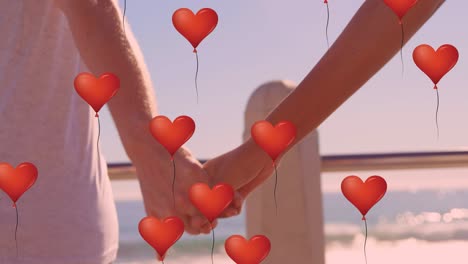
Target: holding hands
[
  {"x": 156, "y": 184},
  {"x": 244, "y": 168}
]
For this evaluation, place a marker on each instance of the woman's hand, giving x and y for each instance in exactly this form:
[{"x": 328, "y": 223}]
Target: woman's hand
[{"x": 245, "y": 168}]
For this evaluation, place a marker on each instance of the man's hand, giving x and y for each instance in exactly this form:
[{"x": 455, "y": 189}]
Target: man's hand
[{"x": 156, "y": 178}]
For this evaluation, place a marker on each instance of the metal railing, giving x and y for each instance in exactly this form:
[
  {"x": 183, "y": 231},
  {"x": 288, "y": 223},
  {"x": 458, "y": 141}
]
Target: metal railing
[{"x": 354, "y": 162}]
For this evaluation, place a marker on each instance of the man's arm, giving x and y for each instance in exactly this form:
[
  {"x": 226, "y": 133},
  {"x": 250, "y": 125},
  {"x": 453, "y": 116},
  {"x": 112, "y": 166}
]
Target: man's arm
[{"x": 96, "y": 27}]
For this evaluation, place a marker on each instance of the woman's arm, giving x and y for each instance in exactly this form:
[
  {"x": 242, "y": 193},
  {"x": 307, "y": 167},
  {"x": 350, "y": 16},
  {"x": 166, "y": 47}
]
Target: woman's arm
[
  {"x": 96, "y": 26},
  {"x": 369, "y": 41}
]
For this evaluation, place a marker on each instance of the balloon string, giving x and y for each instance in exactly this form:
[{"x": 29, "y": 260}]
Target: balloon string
[
  {"x": 365, "y": 240},
  {"x": 401, "y": 49},
  {"x": 437, "y": 113},
  {"x": 212, "y": 243},
  {"x": 173, "y": 180},
  {"x": 123, "y": 18},
  {"x": 97, "y": 143},
  {"x": 328, "y": 22},
  {"x": 196, "y": 76},
  {"x": 276, "y": 184},
  {"x": 16, "y": 230}
]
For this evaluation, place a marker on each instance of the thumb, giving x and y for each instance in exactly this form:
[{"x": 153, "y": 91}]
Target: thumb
[{"x": 235, "y": 207}]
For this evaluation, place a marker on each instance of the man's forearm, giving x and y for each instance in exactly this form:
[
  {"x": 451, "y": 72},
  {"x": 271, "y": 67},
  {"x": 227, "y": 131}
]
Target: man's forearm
[{"x": 97, "y": 30}]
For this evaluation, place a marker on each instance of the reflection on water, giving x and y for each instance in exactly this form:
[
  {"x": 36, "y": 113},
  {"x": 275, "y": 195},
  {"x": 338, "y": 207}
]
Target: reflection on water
[{"x": 425, "y": 215}]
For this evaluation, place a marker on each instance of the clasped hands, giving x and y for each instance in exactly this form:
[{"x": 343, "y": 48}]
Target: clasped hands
[{"x": 244, "y": 168}]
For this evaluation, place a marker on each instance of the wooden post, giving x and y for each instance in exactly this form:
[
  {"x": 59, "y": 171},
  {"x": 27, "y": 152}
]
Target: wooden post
[{"x": 296, "y": 232}]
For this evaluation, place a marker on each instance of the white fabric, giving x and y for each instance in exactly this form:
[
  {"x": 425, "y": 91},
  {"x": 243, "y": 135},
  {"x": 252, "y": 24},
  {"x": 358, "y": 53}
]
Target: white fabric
[{"x": 69, "y": 215}]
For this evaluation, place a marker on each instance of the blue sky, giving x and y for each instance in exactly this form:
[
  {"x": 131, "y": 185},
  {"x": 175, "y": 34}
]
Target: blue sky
[{"x": 257, "y": 41}]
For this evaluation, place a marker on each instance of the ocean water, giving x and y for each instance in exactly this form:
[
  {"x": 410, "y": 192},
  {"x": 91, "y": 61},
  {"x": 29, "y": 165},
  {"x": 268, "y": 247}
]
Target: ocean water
[{"x": 422, "y": 209}]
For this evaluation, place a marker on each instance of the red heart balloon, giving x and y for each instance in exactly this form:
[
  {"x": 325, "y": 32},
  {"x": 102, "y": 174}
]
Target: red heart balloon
[
  {"x": 243, "y": 251},
  {"x": 273, "y": 140},
  {"x": 400, "y": 7},
  {"x": 172, "y": 135},
  {"x": 435, "y": 64},
  {"x": 96, "y": 91},
  {"x": 211, "y": 202},
  {"x": 15, "y": 182},
  {"x": 364, "y": 195},
  {"x": 161, "y": 235},
  {"x": 195, "y": 27}
]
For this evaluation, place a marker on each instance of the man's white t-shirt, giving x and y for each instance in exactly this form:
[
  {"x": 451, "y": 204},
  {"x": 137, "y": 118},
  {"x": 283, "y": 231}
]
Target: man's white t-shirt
[{"x": 69, "y": 215}]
